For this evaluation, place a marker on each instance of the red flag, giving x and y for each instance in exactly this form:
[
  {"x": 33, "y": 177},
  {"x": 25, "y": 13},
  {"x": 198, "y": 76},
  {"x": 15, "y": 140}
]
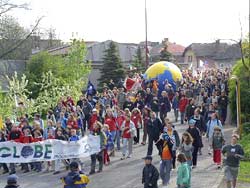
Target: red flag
[{"x": 129, "y": 83}]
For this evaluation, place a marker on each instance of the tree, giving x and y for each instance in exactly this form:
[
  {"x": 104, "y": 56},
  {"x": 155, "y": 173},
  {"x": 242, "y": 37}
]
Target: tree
[
  {"x": 12, "y": 33},
  {"x": 112, "y": 67},
  {"x": 49, "y": 93},
  {"x": 13, "y": 37},
  {"x": 138, "y": 61},
  {"x": 18, "y": 95},
  {"x": 71, "y": 71},
  {"x": 6, "y": 6},
  {"x": 165, "y": 55},
  {"x": 241, "y": 70}
]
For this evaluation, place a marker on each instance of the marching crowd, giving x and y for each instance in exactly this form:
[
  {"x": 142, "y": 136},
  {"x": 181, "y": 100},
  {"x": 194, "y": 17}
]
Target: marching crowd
[{"x": 117, "y": 115}]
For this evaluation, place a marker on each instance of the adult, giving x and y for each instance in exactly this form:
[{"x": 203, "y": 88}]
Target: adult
[
  {"x": 154, "y": 128},
  {"x": 98, "y": 156},
  {"x": 222, "y": 103},
  {"x": 190, "y": 109},
  {"x": 128, "y": 132},
  {"x": 182, "y": 107},
  {"x": 121, "y": 97},
  {"x": 150, "y": 174},
  {"x": 233, "y": 153},
  {"x": 195, "y": 133},
  {"x": 165, "y": 106}
]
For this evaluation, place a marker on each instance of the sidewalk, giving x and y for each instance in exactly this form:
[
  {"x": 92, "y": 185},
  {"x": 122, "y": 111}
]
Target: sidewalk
[{"x": 206, "y": 175}]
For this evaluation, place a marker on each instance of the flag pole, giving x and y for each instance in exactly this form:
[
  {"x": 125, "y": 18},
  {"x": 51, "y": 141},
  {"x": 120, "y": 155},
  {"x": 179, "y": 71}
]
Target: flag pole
[{"x": 146, "y": 35}]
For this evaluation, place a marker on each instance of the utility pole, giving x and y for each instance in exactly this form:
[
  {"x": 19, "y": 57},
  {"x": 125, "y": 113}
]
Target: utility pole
[{"x": 146, "y": 39}]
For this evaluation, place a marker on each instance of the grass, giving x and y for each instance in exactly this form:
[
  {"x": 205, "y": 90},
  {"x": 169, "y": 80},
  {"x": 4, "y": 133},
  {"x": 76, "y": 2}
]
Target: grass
[
  {"x": 245, "y": 142},
  {"x": 244, "y": 173}
]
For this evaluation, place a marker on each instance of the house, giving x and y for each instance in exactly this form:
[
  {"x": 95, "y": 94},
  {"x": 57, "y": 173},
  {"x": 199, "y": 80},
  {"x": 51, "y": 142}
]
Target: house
[
  {"x": 175, "y": 49},
  {"x": 96, "y": 52},
  {"x": 212, "y": 55}
]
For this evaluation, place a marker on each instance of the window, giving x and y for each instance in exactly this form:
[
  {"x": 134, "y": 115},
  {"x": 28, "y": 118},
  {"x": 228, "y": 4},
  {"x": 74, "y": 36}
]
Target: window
[{"x": 190, "y": 59}]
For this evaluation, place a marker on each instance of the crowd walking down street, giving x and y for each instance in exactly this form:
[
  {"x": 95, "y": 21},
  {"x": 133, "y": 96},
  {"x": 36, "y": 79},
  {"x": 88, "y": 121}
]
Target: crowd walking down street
[{"x": 174, "y": 137}]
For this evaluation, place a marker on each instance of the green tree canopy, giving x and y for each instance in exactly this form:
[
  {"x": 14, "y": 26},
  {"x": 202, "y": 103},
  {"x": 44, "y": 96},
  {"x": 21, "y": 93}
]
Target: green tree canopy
[
  {"x": 165, "y": 55},
  {"x": 112, "y": 67},
  {"x": 70, "y": 71}
]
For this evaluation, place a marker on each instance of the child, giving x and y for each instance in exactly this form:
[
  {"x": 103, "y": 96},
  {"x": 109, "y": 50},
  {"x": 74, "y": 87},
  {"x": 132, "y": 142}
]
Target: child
[
  {"x": 183, "y": 172},
  {"x": 150, "y": 174},
  {"x": 27, "y": 138},
  {"x": 74, "y": 138},
  {"x": 187, "y": 147},
  {"x": 109, "y": 145},
  {"x": 48, "y": 164},
  {"x": 217, "y": 144},
  {"x": 37, "y": 138}
]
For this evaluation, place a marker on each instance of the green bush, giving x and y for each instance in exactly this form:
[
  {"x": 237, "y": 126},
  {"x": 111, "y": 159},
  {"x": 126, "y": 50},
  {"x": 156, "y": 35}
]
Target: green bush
[
  {"x": 244, "y": 77},
  {"x": 245, "y": 142},
  {"x": 246, "y": 127}
]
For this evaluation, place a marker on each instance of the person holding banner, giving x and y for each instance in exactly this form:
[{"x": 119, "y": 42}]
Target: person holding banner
[
  {"x": 15, "y": 135},
  {"x": 98, "y": 156},
  {"x": 4, "y": 165}
]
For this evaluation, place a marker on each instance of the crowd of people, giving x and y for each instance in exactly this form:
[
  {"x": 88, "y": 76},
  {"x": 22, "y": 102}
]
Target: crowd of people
[{"x": 117, "y": 115}]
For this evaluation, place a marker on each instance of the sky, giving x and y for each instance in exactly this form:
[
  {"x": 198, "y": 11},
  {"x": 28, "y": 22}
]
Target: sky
[{"x": 182, "y": 21}]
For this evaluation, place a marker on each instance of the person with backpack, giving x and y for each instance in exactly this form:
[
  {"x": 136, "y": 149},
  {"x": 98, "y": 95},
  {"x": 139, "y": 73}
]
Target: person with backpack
[
  {"x": 214, "y": 121},
  {"x": 217, "y": 144},
  {"x": 168, "y": 141},
  {"x": 75, "y": 178}
]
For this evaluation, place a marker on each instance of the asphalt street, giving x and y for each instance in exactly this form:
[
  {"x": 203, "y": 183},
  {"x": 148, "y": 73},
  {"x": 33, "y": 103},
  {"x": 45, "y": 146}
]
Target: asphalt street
[{"x": 127, "y": 173}]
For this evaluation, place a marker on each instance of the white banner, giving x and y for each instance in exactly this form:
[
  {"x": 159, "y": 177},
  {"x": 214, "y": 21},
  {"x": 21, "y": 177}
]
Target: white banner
[{"x": 12, "y": 152}]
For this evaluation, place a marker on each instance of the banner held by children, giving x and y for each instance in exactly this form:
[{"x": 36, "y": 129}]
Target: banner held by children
[{"x": 48, "y": 150}]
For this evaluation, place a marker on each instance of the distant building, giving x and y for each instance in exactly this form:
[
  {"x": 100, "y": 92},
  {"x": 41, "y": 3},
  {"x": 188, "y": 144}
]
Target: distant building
[
  {"x": 212, "y": 55},
  {"x": 175, "y": 49}
]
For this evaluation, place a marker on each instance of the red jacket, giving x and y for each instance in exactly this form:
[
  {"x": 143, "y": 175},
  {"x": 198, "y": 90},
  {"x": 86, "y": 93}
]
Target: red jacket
[
  {"x": 119, "y": 120},
  {"x": 136, "y": 118},
  {"x": 27, "y": 139},
  {"x": 92, "y": 120},
  {"x": 126, "y": 133},
  {"x": 110, "y": 121},
  {"x": 182, "y": 104},
  {"x": 15, "y": 135},
  {"x": 73, "y": 124},
  {"x": 38, "y": 139}
]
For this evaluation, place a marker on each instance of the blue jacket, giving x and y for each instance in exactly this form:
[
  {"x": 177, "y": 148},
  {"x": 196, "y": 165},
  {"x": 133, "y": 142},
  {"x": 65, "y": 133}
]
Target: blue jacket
[
  {"x": 75, "y": 180},
  {"x": 74, "y": 138}
]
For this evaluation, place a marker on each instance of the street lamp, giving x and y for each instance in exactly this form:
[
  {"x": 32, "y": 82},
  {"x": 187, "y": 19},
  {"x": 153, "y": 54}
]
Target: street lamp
[{"x": 237, "y": 88}]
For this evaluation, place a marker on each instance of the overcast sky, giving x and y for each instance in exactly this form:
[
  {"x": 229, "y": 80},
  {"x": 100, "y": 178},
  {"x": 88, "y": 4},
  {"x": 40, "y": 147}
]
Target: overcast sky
[{"x": 182, "y": 21}]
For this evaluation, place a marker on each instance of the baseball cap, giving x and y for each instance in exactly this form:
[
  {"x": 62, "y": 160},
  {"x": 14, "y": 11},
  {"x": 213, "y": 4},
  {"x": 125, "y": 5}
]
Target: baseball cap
[{"x": 191, "y": 122}]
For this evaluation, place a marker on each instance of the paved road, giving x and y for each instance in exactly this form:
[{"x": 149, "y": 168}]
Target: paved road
[{"x": 127, "y": 173}]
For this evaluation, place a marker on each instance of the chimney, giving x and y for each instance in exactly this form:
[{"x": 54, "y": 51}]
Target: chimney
[{"x": 165, "y": 41}]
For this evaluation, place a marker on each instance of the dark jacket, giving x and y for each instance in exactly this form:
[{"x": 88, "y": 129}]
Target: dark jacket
[
  {"x": 12, "y": 186},
  {"x": 154, "y": 128},
  {"x": 165, "y": 104},
  {"x": 190, "y": 111},
  {"x": 150, "y": 176},
  {"x": 75, "y": 180},
  {"x": 195, "y": 133}
]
